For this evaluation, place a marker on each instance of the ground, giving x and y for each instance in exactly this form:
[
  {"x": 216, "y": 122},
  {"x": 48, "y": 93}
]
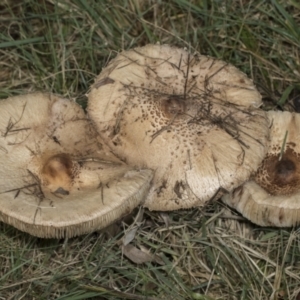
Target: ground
[{"x": 204, "y": 253}]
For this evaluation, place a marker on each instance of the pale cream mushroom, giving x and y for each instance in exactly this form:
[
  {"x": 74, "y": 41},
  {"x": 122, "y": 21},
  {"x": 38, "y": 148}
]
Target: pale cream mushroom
[
  {"x": 193, "y": 119},
  {"x": 58, "y": 179},
  {"x": 272, "y": 196}
]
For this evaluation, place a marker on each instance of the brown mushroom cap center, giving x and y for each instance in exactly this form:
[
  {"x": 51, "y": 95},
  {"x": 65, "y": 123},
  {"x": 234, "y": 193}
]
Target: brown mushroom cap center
[
  {"x": 58, "y": 173},
  {"x": 173, "y": 106},
  {"x": 285, "y": 170},
  {"x": 280, "y": 176}
]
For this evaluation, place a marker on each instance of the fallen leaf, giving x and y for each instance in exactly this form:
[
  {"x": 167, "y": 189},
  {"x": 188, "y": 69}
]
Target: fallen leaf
[
  {"x": 129, "y": 236},
  {"x": 135, "y": 255}
]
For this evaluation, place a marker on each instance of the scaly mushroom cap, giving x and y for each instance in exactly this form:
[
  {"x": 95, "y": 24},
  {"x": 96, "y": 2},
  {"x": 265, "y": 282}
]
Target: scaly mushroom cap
[
  {"x": 191, "y": 118},
  {"x": 58, "y": 178},
  {"x": 272, "y": 197}
]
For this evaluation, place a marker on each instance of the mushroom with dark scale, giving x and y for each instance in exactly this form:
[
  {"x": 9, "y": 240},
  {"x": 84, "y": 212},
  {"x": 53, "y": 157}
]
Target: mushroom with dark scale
[
  {"x": 272, "y": 196},
  {"x": 58, "y": 178},
  {"x": 193, "y": 119}
]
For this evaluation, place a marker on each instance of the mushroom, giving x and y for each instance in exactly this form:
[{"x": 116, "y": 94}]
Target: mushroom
[
  {"x": 193, "y": 119},
  {"x": 58, "y": 178},
  {"x": 272, "y": 196}
]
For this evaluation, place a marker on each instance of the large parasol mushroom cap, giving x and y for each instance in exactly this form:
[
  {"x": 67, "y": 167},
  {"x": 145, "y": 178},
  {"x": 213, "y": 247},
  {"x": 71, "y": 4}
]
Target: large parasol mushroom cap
[
  {"x": 58, "y": 178},
  {"x": 191, "y": 118},
  {"x": 272, "y": 196}
]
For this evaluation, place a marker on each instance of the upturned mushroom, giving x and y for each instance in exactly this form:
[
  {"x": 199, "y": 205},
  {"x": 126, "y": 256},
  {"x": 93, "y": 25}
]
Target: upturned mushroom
[
  {"x": 58, "y": 178},
  {"x": 272, "y": 196},
  {"x": 193, "y": 119}
]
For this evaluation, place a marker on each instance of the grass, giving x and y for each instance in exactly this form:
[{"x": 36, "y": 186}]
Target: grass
[{"x": 207, "y": 253}]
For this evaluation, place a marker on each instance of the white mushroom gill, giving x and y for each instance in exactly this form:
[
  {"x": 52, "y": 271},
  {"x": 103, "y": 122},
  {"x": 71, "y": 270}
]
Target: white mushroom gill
[{"x": 192, "y": 119}]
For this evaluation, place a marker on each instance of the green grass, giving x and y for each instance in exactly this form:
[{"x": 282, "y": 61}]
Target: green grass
[{"x": 210, "y": 253}]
